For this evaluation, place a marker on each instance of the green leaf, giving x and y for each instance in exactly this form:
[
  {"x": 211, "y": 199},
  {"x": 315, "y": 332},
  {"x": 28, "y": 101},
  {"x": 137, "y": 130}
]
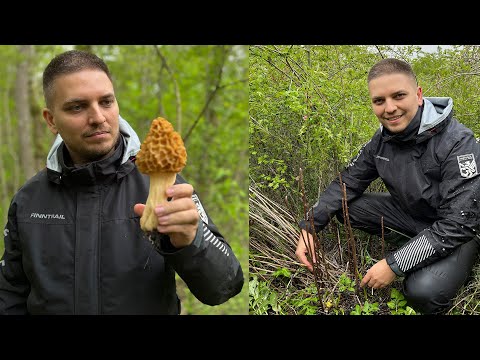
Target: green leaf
[
  {"x": 391, "y": 305},
  {"x": 282, "y": 272}
]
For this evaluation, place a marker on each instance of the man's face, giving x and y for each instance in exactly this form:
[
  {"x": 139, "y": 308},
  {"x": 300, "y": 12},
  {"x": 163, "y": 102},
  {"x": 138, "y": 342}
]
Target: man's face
[
  {"x": 395, "y": 100},
  {"x": 85, "y": 113}
]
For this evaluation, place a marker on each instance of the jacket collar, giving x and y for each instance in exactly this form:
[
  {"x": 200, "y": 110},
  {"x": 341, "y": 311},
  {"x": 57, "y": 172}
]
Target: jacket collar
[
  {"x": 409, "y": 133},
  {"x": 95, "y": 172},
  {"x": 430, "y": 119},
  {"x": 436, "y": 111}
]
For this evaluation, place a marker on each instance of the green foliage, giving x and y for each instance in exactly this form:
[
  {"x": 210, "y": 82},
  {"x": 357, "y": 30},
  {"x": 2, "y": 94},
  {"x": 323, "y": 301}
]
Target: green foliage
[
  {"x": 305, "y": 302},
  {"x": 306, "y": 106},
  {"x": 365, "y": 309},
  {"x": 261, "y": 299},
  {"x": 282, "y": 272},
  {"x": 346, "y": 284},
  {"x": 398, "y": 304},
  {"x": 264, "y": 299}
]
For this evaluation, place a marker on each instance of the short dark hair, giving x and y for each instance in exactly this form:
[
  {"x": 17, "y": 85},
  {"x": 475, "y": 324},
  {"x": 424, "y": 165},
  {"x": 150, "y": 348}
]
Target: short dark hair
[
  {"x": 67, "y": 63},
  {"x": 391, "y": 66}
]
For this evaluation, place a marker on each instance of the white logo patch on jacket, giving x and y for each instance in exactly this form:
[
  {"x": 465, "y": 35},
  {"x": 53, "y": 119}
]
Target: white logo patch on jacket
[
  {"x": 467, "y": 165},
  {"x": 200, "y": 209}
]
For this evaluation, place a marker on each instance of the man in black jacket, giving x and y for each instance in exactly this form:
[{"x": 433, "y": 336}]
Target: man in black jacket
[
  {"x": 73, "y": 243},
  {"x": 429, "y": 163}
]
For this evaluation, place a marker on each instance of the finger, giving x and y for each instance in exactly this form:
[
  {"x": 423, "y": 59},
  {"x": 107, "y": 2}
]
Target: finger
[
  {"x": 174, "y": 206},
  {"x": 365, "y": 280},
  {"x": 180, "y": 191},
  {"x": 379, "y": 286},
  {"x": 179, "y": 218},
  {"x": 309, "y": 248},
  {"x": 372, "y": 283},
  {"x": 138, "y": 209},
  {"x": 170, "y": 229},
  {"x": 311, "y": 253},
  {"x": 303, "y": 259}
]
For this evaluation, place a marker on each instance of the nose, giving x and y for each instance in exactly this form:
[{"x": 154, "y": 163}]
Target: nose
[
  {"x": 95, "y": 115},
  {"x": 390, "y": 106}
]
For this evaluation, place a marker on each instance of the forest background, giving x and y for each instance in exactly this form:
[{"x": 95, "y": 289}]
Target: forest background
[
  {"x": 201, "y": 89},
  {"x": 310, "y": 109}
]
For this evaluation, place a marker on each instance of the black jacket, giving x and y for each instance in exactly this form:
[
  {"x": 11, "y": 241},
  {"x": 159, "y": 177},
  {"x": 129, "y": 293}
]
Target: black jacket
[
  {"x": 73, "y": 244},
  {"x": 433, "y": 175}
]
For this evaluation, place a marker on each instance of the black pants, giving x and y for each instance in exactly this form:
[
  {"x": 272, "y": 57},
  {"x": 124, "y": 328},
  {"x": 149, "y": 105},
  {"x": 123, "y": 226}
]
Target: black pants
[{"x": 432, "y": 288}]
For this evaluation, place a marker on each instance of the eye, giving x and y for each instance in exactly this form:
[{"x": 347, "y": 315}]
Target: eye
[
  {"x": 75, "y": 108},
  {"x": 107, "y": 102},
  {"x": 378, "y": 101}
]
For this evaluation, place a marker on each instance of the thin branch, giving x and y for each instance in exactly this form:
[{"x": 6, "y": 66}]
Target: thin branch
[
  {"x": 209, "y": 98},
  {"x": 383, "y": 238},
  {"x": 350, "y": 237},
  {"x": 379, "y": 51},
  {"x": 277, "y": 68},
  {"x": 178, "y": 100},
  {"x": 452, "y": 77}
]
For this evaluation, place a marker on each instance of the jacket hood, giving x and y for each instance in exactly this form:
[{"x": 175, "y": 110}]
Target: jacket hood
[
  {"x": 130, "y": 138},
  {"x": 435, "y": 111}
]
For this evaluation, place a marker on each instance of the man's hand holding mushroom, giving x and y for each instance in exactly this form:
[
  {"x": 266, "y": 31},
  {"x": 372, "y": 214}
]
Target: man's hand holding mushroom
[
  {"x": 177, "y": 218},
  {"x": 162, "y": 155}
]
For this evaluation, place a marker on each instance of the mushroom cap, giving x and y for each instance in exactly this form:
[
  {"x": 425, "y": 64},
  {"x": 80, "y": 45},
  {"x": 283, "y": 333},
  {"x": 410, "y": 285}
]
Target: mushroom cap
[{"x": 162, "y": 150}]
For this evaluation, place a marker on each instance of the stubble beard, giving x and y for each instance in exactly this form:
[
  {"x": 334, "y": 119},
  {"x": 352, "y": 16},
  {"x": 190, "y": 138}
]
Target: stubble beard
[{"x": 96, "y": 154}]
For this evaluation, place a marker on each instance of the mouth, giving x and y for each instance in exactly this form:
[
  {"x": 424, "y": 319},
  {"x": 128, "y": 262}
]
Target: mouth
[
  {"x": 393, "y": 118},
  {"x": 97, "y": 134}
]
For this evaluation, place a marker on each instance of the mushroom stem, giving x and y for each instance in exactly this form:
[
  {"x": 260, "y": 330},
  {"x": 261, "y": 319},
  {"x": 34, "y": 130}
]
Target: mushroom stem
[{"x": 159, "y": 183}]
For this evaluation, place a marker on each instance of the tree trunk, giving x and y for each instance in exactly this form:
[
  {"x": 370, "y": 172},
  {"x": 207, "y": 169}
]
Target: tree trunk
[
  {"x": 23, "y": 111},
  {"x": 11, "y": 148},
  {"x": 3, "y": 181},
  {"x": 40, "y": 132}
]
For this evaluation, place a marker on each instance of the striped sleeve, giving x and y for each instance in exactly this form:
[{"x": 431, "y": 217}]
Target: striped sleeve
[
  {"x": 416, "y": 253},
  {"x": 413, "y": 253},
  {"x": 210, "y": 238}
]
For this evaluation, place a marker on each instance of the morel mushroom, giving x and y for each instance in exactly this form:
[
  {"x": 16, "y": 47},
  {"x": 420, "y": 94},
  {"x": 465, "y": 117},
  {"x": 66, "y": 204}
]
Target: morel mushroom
[{"x": 162, "y": 155}]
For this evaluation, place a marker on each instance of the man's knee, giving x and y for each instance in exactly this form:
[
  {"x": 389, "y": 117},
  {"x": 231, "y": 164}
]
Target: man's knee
[{"x": 424, "y": 295}]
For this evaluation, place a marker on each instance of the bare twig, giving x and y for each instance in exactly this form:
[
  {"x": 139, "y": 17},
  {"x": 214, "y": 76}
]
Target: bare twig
[
  {"x": 316, "y": 272},
  {"x": 383, "y": 238},
  {"x": 350, "y": 237},
  {"x": 205, "y": 107},
  {"x": 178, "y": 100}
]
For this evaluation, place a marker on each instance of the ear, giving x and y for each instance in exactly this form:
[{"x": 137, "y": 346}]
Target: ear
[
  {"x": 419, "y": 96},
  {"x": 48, "y": 116}
]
